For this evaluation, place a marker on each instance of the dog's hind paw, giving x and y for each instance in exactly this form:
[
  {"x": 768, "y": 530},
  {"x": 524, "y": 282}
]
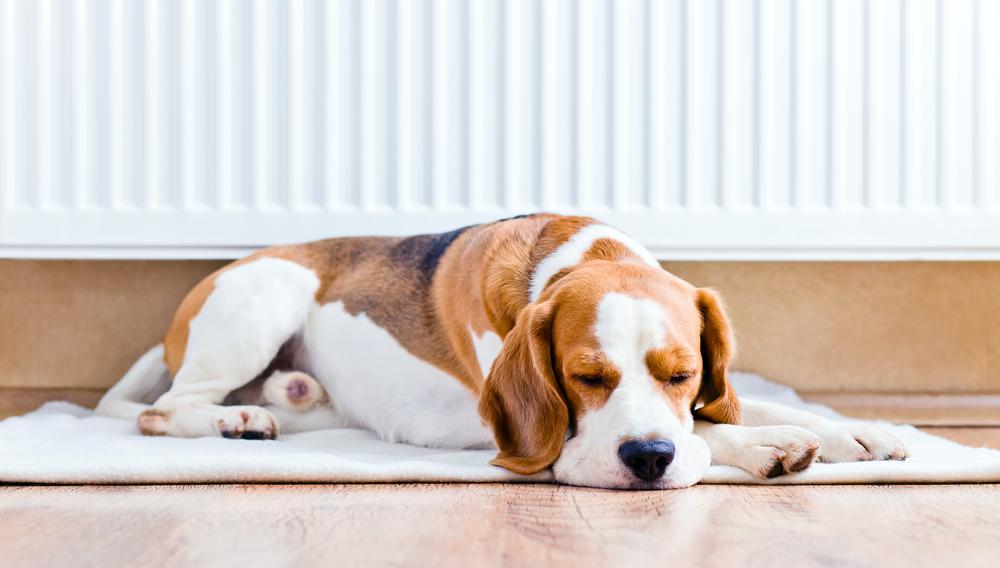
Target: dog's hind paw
[{"x": 293, "y": 390}]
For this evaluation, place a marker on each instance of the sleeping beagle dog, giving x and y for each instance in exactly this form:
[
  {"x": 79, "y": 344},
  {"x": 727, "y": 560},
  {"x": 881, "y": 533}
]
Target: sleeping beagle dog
[{"x": 557, "y": 340}]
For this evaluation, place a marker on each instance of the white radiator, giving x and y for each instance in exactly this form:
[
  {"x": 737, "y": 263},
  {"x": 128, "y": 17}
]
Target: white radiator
[{"x": 706, "y": 128}]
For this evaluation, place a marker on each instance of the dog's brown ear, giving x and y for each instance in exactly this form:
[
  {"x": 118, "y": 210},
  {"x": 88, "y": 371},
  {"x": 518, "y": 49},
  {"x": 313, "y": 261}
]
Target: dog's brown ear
[
  {"x": 521, "y": 399},
  {"x": 719, "y": 402}
]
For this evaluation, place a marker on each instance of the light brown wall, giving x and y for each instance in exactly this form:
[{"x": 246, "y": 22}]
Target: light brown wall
[
  {"x": 862, "y": 327},
  {"x": 82, "y": 323}
]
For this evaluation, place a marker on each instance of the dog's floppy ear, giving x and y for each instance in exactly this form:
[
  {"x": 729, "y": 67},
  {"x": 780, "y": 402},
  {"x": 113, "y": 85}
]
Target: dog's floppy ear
[
  {"x": 719, "y": 402},
  {"x": 521, "y": 399}
]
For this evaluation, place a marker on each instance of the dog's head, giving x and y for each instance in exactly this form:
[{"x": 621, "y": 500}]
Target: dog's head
[{"x": 601, "y": 376}]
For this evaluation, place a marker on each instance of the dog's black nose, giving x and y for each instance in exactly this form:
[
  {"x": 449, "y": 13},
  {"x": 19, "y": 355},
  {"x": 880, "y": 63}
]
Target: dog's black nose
[{"x": 647, "y": 459}]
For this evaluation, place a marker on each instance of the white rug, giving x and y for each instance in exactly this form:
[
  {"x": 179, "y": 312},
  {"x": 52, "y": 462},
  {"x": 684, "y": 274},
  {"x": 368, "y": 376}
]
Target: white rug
[{"x": 64, "y": 443}]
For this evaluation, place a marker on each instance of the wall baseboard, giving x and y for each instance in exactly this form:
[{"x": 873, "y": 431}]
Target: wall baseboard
[
  {"x": 919, "y": 409},
  {"x": 15, "y": 401}
]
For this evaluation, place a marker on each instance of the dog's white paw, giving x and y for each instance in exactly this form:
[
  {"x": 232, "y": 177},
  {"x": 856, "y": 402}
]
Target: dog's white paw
[
  {"x": 293, "y": 390},
  {"x": 852, "y": 441},
  {"x": 770, "y": 451},
  {"x": 246, "y": 422},
  {"x": 154, "y": 422}
]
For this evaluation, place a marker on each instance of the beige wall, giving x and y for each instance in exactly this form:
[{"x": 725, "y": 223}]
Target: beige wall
[
  {"x": 861, "y": 327},
  {"x": 864, "y": 326},
  {"x": 82, "y": 323}
]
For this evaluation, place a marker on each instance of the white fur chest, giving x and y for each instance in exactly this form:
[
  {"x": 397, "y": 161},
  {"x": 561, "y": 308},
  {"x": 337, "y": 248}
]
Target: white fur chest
[{"x": 487, "y": 347}]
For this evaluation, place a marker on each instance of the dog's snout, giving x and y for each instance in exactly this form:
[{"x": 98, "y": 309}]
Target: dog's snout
[{"x": 647, "y": 459}]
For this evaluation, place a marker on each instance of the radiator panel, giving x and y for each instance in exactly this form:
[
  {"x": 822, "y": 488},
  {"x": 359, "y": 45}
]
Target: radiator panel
[{"x": 709, "y": 129}]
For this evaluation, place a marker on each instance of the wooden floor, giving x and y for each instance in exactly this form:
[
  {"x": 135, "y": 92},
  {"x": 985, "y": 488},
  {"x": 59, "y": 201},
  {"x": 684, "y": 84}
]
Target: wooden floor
[
  {"x": 499, "y": 524},
  {"x": 503, "y": 525}
]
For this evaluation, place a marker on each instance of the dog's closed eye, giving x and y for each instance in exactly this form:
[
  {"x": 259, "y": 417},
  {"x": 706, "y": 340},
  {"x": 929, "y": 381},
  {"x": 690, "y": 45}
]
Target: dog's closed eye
[
  {"x": 591, "y": 380},
  {"x": 678, "y": 378}
]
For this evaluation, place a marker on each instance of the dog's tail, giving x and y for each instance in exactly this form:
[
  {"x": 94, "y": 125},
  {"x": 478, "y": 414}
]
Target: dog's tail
[{"x": 139, "y": 388}]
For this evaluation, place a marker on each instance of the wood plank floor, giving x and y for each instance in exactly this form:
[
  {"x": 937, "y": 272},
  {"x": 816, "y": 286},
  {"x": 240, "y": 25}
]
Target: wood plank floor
[
  {"x": 975, "y": 436},
  {"x": 499, "y": 524},
  {"x": 503, "y": 524}
]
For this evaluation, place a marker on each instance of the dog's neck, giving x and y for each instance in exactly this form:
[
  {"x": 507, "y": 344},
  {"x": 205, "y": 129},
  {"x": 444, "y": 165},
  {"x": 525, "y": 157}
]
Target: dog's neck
[{"x": 526, "y": 261}]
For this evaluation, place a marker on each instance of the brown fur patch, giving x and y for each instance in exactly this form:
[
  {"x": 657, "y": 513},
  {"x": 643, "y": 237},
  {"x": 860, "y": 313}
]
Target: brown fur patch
[
  {"x": 176, "y": 339},
  {"x": 717, "y": 350}
]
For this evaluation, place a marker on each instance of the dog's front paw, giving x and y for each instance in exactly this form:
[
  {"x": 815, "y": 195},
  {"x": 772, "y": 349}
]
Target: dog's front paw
[
  {"x": 852, "y": 441},
  {"x": 246, "y": 422},
  {"x": 770, "y": 451}
]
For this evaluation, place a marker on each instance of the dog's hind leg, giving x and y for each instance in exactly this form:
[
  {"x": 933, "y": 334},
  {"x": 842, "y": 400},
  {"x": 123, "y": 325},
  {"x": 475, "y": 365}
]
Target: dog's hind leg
[
  {"x": 322, "y": 416},
  {"x": 293, "y": 390},
  {"x": 253, "y": 310}
]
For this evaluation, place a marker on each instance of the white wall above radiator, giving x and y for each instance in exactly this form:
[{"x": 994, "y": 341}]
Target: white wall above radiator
[{"x": 707, "y": 129}]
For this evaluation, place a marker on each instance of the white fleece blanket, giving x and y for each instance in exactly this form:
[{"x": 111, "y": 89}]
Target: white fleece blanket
[{"x": 64, "y": 443}]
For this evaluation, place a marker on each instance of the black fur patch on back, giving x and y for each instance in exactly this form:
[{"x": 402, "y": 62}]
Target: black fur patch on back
[
  {"x": 515, "y": 217},
  {"x": 425, "y": 251}
]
